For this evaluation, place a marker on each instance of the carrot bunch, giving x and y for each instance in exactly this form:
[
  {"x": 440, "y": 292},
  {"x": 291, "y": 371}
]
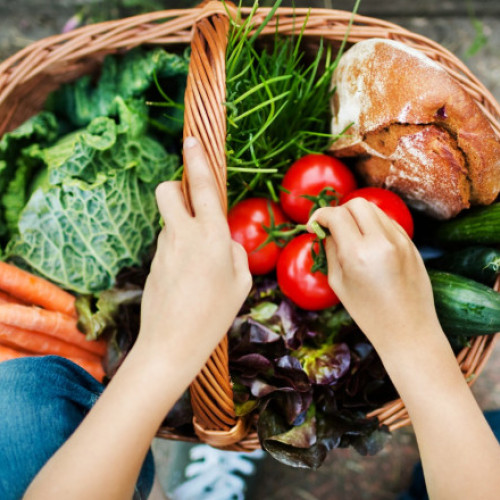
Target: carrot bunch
[{"x": 39, "y": 318}]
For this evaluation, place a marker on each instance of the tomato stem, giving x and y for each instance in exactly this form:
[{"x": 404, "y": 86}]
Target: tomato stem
[
  {"x": 319, "y": 259},
  {"x": 325, "y": 198},
  {"x": 318, "y": 230},
  {"x": 281, "y": 236},
  {"x": 299, "y": 228}
]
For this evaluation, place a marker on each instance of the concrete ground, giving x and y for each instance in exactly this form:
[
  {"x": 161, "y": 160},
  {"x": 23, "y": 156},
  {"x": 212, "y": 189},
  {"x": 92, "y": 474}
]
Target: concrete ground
[{"x": 458, "y": 25}]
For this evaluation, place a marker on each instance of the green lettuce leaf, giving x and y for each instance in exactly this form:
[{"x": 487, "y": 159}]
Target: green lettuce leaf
[
  {"x": 95, "y": 212},
  {"x": 129, "y": 76},
  {"x": 18, "y": 163},
  {"x": 41, "y": 129},
  {"x": 17, "y": 191},
  {"x": 100, "y": 317}
]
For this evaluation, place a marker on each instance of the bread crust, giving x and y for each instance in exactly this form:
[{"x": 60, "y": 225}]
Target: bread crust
[{"x": 386, "y": 89}]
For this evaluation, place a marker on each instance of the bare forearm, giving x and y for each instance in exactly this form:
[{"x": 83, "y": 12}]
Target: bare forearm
[
  {"x": 381, "y": 280},
  {"x": 118, "y": 431},
  {"x": 182, "y": 321},
  {"x": 460, "y": 455}
]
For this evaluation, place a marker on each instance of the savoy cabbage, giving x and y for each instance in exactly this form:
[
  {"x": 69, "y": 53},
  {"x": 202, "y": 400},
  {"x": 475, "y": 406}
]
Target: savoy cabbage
[{"x": 79, "y": 206}]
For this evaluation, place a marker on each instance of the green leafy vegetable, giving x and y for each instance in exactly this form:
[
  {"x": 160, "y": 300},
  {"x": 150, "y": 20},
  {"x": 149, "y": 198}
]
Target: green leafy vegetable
[
  {"x": 78, "y": 205},
  {"x": 306, "y": 445},
  {"x": 95, "y": 213},
  {"x": 326, "y": 364},
  {"x": 310, "y": 376},
  {"x": 278, "y": 106},
  {"x": 130, "y": 76},
  {"x": 122, "y": 91},
  {"x": 18, "y": 164},
  {"x": 18, "y": 189},
  {"x": 101, "y": 319}
]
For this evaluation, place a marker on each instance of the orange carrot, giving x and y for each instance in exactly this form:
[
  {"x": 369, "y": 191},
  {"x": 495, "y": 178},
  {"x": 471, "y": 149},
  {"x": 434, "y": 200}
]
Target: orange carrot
[
  {"x": 39, "y": 343},
  {"x": 5, "y": 297},
  {"x": 35, "y": 290},
  {"x": 8, "y": 353},
  {"x": 50, "y": 323},
  {"x": 93, "y": 367}
]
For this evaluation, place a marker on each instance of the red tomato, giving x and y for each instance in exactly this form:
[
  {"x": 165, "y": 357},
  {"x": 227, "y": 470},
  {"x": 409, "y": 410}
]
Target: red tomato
[
  {"x": 246, "y": 221},
  {"x": 310, "y": 175},
  {"x": 387, "y": 201},
  {"x": 308, "y": 290}
]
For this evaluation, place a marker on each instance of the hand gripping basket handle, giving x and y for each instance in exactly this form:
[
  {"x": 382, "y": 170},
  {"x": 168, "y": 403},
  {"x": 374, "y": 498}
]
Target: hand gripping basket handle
[
  {"x": 215, "y": 421},
  {"x": 28, "y": 77}
]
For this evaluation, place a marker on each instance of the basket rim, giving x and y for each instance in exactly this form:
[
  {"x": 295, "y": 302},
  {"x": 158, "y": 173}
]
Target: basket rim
[
  {"x": 149, "y": 31},
  {"x": 115, "y": 33},
  {"x": 471, "y": 357}
]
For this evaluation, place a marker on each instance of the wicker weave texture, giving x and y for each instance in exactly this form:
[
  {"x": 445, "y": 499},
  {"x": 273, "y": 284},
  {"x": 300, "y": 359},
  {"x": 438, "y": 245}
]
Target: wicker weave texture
[
  {"x": 27, "y": 78},
  {"x": 209, "y": 112}
]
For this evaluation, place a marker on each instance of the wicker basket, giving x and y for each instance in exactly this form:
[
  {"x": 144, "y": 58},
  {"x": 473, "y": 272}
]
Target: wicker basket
[{"x": 29, "y": 76}]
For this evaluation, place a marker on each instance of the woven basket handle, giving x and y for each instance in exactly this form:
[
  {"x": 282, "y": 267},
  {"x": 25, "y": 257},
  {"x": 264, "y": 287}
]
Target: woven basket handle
[
  {"x": 215, "y": 421},
  {"x": 205, "y": 113},
  {"x": 211, "y": 393}
]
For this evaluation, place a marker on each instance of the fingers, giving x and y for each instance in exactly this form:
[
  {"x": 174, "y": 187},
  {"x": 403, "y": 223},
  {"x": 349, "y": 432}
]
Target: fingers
[
  {"x": 334, "y": 267},
  {"x": 202, "y": 187},
  {"x": 240, "y": 256},
  {"x": 343, "y": 228},
  {"x": 240, "y": 262},
  {"x": 391, "y": 226},
  {"x": 369, "y": 219},
  {"x": 363, "y": 213},
  {"x": 170, "y": 202}
]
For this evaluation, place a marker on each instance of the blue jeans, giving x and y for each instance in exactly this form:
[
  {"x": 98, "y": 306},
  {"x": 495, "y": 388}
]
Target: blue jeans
[{"x": 42, "y": 402}]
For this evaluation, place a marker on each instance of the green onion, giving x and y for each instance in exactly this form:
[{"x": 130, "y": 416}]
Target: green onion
[{"x": 277, "y": 103}]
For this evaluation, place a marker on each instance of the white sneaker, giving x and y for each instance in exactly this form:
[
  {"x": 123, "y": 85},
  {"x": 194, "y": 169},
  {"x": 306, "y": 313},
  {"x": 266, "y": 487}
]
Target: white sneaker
[{"x": 216, "y": 475}]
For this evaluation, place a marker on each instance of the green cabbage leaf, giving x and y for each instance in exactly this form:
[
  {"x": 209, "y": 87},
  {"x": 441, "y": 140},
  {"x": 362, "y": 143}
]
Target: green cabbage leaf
[
  {"x": 18, "y": 163},
  {"x": 132, "y": 76},
  {"x": 93, "y": 211}
]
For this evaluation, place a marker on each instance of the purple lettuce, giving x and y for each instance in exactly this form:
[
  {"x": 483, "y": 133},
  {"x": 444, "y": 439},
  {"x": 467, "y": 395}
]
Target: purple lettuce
[
  {"x": 306, "y": 445},
  {"x": 310, "y": 376},
  {"x": 324, "y": 365}
]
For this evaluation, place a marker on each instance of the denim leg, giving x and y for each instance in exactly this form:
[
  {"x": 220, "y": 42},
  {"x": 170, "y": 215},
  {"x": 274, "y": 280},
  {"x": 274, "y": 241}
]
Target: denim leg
[
  {"x": 42, "y": 402},
  {"x": 493, "y": 419}
]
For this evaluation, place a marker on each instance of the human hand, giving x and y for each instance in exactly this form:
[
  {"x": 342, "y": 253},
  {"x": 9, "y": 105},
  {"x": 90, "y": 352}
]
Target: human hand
[
  {"x": 380, "y": 278},
  {"x": 378, "y": 274},
  {"x": 199, "y": 277}
]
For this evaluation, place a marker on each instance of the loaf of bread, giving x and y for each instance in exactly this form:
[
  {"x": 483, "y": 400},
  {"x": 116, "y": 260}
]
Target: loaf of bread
[{"x": 413, "y": 129}]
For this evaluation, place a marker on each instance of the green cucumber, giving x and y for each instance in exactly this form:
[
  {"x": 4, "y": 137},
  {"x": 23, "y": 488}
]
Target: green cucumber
[
  {"x": 477, "y": 262},
  {"x": 478, "y": 226},
  {"x": 464, "y": 307}
]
